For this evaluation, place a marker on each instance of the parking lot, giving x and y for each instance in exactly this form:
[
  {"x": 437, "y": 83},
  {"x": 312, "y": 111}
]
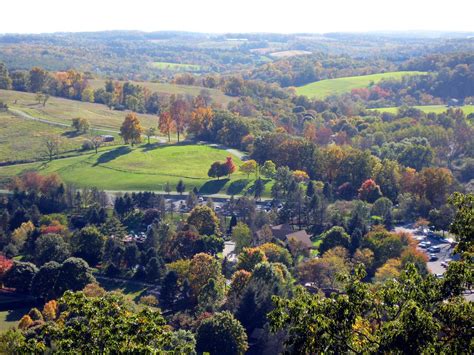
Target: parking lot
[{"x": 439, "y": 250}]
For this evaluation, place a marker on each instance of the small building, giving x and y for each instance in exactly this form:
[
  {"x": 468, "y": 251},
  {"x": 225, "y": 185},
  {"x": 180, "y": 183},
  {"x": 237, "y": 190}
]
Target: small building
[{"x": 107, "y": 138}]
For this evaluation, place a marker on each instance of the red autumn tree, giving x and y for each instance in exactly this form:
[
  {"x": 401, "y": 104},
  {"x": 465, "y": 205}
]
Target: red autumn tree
[
  {"x": 369, "y": 191},
  {"x": 230, "y": 166}
]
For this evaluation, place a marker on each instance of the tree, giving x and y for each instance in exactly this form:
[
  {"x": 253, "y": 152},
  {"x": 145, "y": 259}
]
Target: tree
[
  {"x": 202, "y": 268},
  {"x": 383, "y": 208},
  {"x": 150, "y": 132},
  {"x": 51, "y": 247},
  {"x": 336, "y": 236},
  {"x": 87, "y": 95},
  {"x": 96, "y": 142},
  {"x": 88, "y": 243},
  {"x": 101, "y": 325},
  {"x": 211, "y": 296},
  {"x": 20, "y": 276},
  {"x": 5, "y": 81},
  {"x": 369, "y": 191},
  {"x": 230, "y": 166},
  {"x": 204, "y": 219},
  {"x": 180, "y": 187},
  {"x": 242, "y": 236},
  {"x": 406, "y": 315},
  {"x": 249, "y": 258},
  {"x": 165, "y": 124},
  {"x": 44, "y": 281},
  {"x": 81, "y": 125},
  {"x": 221, "y": 334},
  {"x": 179, "y": 113},
  {"x": 51, "y": 147},
  {"x": 259, "y": 188},
  {"x": 217, "y": 170},
  {"x": 169, "y": 290},
  {"x": 249, "y": 167},
  {"x": 131, "y": 129},
  {"x": 74, "y": 275},
  {"x": 268, "y": 169}
]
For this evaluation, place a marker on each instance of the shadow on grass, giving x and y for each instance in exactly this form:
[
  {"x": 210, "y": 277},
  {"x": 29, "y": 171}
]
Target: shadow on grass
[
  {"x": 16, "y": 314},
  {"x": 213, "y": 186},
  {"x": 237, "y": 186},
  {"x": 251, "y": 189},
  {"x": 113, "y": 154},
  {"x": 152, "y": 146},
  {"x": 71, "y": 134}
]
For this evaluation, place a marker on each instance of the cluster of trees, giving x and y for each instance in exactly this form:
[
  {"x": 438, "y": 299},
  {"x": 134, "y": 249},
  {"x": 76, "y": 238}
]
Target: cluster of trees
[{"x": 412, "y": 312}]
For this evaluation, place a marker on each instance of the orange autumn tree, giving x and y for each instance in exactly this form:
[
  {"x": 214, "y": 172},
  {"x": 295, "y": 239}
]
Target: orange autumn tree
[
  {"x": 179, "y": 113},
  {"x": 201, "y": 121},
  {"x": 166, "y": 124},
  {"x": 131, "y": 129}
]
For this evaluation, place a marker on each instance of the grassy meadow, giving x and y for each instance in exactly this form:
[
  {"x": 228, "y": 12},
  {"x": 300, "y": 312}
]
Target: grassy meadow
[
  {"x": 22, "y": 139},
  {"x": 324, "y": 88},
  {"x": 64, "y": 110},
  {"x": 146, "y": 167},
  {"x": 467, "y": 109}
]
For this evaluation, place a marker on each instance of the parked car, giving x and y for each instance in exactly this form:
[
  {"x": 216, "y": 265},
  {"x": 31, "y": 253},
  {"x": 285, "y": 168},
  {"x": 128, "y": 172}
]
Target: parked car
[{"x": 433, "y": 257}]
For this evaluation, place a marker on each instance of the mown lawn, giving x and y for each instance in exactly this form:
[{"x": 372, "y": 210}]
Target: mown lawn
[
  {"x": 467, "y": 109},
  {"x": 324, "y": 88},
  {"x": 10, "y": 319},
  {"x": 146, "y": 167}
]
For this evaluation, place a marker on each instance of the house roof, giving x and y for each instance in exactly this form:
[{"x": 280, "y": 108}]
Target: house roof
[
  {"x": 300, "y": 236},
  {"x": 281, "y": 230}
]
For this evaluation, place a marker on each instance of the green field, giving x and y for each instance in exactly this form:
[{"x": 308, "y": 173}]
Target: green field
[
  {"x": 175, "y": 66},
  {"x": 147, "y": 167},
  {"x": 64, "y": 110},
  {"x": 24, "y": 139},
  {"x": 169, "y": 89},
  {"x": 467, "y": 109},
  {"x": 324, "y": 88}
]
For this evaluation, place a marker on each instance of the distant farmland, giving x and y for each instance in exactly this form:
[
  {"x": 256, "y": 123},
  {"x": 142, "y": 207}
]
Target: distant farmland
[
  {"x": 169, "y": 89},
  {"x": 467, "y": 109},
  {"x": 175, "y": 66},
  {"x": 324, "y": 88}
]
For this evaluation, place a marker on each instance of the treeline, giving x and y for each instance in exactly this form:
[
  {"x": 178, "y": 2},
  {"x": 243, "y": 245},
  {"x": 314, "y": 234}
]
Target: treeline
[{"x": 301, "y": 70}]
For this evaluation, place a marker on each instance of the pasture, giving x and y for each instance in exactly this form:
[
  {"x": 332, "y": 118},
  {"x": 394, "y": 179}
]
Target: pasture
[
  {"x": 63, "y": 111},
  {"x": 324, "y": 88},
  {"x": 23, "y": 139},
  {"x": 175, "y": 66},
  {"x": 145, "y": 167},
  {"x": 467, "y": 109}
]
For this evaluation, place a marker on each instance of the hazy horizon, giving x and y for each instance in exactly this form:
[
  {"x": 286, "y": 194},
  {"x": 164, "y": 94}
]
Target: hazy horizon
[{"x": 206, "y": 16}]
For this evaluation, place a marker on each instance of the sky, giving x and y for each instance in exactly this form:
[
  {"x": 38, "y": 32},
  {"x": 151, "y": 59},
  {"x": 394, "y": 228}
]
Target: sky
[{"x": 221, "y": 16}]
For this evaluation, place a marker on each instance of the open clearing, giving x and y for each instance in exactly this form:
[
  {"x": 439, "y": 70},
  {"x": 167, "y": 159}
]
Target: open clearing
[
  {"x": 175, "y": 66},
  {"x": 146, "y": 167},
  {"x": 338, "y": 86},
  {"x": 169, "y": 89},
  {"x": 467, "y": 109}
]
